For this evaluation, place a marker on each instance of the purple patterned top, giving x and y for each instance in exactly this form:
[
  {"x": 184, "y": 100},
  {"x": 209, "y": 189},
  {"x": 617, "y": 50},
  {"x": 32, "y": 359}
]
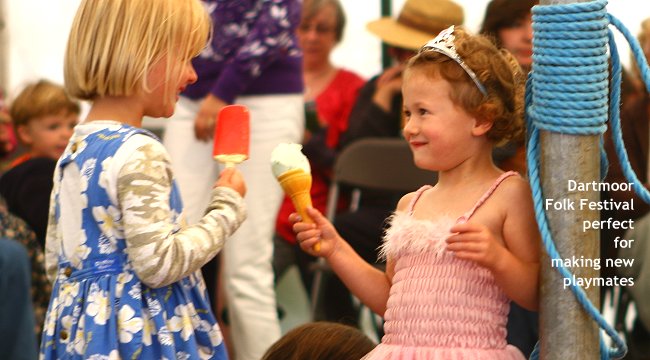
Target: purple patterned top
[{"x": 253, "y": 50}]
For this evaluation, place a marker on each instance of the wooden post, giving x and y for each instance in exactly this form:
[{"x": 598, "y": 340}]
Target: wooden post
[{"x": 566, "y": 330}]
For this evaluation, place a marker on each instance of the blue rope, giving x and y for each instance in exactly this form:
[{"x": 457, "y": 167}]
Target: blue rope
[
  {"x": 617, "y": 134},
  {"x": 567, "y": 92}
]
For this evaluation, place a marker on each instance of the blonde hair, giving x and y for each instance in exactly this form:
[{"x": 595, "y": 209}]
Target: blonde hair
[
  {"x": 113, "y": 43},
  {"x": 496, "y": 69},
  {"x": 41, "y": 99}
]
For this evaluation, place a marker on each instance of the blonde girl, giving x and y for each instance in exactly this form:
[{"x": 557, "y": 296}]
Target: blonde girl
[
  {"x": 124, "y": 265},
  {"x": 459, "y": 251}
]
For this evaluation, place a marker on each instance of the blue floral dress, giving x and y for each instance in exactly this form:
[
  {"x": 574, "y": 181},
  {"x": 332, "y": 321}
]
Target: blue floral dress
[{"x": 101, "y": 307}]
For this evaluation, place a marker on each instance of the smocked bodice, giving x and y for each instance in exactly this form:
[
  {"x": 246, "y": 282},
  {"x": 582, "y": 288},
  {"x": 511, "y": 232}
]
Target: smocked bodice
[
  {"x": 440, "y": 306},
  {"x": 437, "y": 299}
]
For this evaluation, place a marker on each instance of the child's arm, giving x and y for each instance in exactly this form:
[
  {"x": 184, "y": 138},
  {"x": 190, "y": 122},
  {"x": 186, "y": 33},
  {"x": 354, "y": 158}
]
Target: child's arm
[
  {"x": 366, "y": 282},
  {"x": 161, "y": 255},
  {"x": 516, "y": 265}
]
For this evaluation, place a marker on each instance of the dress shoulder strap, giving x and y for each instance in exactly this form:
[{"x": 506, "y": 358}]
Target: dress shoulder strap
[
  {"x": 415, "y": 199},
  {"x": 487, "y": 194}
]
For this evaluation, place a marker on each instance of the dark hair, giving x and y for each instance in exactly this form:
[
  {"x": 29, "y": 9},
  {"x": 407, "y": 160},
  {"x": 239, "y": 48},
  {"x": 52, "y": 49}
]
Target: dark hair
[
  {"x": 321, "y": 341},
  {"x": 501, "y": 14}
]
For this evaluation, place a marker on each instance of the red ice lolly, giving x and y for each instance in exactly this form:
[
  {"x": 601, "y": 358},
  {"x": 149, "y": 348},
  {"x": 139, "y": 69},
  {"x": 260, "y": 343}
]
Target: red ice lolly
[{"x": 231, "y": 135}]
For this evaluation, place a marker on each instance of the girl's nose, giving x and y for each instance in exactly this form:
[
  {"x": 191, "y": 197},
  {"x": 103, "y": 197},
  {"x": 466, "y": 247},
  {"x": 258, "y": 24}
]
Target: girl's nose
[
  {"x": 529, "y": 29},
  {"x": 67, "y": 133},
  {"x": 409, "y": 127},
  {"x": 191, "y": 76}
]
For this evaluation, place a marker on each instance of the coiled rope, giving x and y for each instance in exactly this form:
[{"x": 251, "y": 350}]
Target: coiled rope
[{"x": 567, "y": 93}]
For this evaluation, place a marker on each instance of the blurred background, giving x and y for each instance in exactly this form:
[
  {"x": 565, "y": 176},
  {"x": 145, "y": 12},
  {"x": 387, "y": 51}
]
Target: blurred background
[{"x": 35, "y": 34}]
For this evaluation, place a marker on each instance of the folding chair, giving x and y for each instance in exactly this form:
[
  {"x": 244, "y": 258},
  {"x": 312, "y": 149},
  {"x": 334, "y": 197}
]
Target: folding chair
[{"x": 371, "y": 163}]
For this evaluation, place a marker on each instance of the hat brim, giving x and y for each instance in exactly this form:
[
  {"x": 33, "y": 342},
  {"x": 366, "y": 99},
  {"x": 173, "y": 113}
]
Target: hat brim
[{"x": 395, "y": 34}]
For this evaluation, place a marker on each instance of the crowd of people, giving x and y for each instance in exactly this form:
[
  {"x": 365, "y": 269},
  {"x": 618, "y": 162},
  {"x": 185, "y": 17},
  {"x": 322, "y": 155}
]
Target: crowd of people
[{"x": 118, "y": 244}]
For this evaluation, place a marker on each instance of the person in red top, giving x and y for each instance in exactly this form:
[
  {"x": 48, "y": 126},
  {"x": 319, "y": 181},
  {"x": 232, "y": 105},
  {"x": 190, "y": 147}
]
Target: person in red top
[{"x": 330, "y": 93}]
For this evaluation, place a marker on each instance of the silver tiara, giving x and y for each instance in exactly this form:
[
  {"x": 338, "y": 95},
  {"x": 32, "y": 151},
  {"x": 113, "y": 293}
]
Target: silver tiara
[{"x": 444, "y": 44}]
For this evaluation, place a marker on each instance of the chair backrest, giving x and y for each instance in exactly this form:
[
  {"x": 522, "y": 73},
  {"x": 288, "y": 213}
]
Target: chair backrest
[
  {"x": 371, "y": 163},
  {"x": 378, "y": 164},
  {"x": 382, "y": 164}
]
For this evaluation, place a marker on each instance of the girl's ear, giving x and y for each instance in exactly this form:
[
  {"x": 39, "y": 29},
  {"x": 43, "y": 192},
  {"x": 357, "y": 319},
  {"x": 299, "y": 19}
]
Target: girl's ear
[{"x": 481, "y": 126}]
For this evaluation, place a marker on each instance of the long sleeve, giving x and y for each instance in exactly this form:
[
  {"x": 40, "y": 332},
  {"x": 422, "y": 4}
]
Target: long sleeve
[
  {"x": 267, "y": 39},
  {"x": 254, "y": 50},
  {"x": 161, "y": 252},
  {"x": 52, "y": 244}
]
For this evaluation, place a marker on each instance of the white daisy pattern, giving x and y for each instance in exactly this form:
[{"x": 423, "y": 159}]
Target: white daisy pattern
[
  {"x": 108, "y": 220},
  {"x": 98, "y": 306},
  {"x": 101, "y": 308},
  {"x": 182, "y": 321},
  {"x": 128, "y": 323}
]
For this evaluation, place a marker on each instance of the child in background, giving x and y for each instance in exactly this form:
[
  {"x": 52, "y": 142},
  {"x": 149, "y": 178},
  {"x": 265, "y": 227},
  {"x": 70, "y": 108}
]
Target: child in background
[
  {"x": 12, "y": 227},
  {"x": 456, "y": 252},
  {"x": 321, "y": 341},
  {"x": 20, "y": 319},
  {"x": 126, "y": 268},
  {"x": 44, "y": 117}
]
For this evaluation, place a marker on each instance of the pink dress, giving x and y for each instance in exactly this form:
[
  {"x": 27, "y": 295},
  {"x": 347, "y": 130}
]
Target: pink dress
[{"x": 440, "y": 307}]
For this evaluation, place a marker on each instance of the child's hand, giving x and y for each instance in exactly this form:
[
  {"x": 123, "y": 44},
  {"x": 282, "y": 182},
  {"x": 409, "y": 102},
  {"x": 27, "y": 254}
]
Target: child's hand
[
  {"x": 321, "y": 231},
  {"x": 476, "y": 243},
  {"x": 232, "y": 178}
]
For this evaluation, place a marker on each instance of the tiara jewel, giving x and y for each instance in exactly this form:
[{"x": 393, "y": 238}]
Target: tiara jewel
[{"x": 444, "y": 44}]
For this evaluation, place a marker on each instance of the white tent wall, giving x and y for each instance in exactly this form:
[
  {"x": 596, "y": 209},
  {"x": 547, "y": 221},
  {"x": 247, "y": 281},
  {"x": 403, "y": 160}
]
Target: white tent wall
[
  {"x": 37, "y": 31},
  {"x": 3, "y": 46}
]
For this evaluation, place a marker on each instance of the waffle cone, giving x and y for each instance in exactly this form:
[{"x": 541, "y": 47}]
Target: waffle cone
[{"x": 297, "y": 185}]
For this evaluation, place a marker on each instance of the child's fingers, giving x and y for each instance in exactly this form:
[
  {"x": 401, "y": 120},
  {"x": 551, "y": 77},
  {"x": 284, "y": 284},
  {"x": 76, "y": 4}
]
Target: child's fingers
[
  {"x": 465, "y": 246},
  {"x": 294, "y": 217},
  {"x": 227, "y": 174},
  {"x": 308, "y": 236},
  {"x": 317, "y": 216},
  {"x": 302, "y": 226},
  {"x": 465, "y": 227},
  {"x": 309, "y": 243},
  {"x": 464, "y": 237}
]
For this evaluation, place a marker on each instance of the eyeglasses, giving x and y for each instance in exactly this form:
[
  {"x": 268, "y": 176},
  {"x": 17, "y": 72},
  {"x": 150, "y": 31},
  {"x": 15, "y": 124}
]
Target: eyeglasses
[{"x": 321, "y": 29}]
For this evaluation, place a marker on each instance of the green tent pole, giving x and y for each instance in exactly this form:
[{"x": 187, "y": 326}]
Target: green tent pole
[{"x": 386, "y": 10}]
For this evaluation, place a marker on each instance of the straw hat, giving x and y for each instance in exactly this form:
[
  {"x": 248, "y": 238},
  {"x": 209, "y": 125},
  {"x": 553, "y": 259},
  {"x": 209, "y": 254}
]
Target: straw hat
[{"x": 418, "y": 22}]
